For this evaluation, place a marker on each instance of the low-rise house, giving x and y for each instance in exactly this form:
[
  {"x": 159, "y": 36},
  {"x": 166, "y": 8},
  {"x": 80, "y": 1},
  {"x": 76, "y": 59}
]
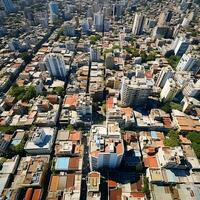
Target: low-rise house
[
  {"x": 31, "y": 171},
  {"x": 93, "y": 186},
  {"x": 68, "y": 143},
  {"x": 64, "y": 186}
]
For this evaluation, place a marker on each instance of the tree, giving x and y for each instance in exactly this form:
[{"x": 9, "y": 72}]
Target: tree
[
  {"x": 30, "y": 93},
  {"x": 22, "y": 92},
  {"x": 58, "y": 90},
  {"x": 145, "y": 188},
  {"x": 194, "y": 137},
  {"x": 25, "y": 56},
  {"x": 173, "y": 61},
  {"x": 7, "y": 129},
  {"x": 94, "y": 38},
  {"x": 169, "y": 106},
  {"x": 172, "y": 140},
  {"x": 17, "y": 92},
  {"x": 70, "y": 128}
]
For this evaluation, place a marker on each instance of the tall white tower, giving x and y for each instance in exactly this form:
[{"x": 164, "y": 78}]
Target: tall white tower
[
  {"x": 56, "y": 66},
  {"x": 138, "y": 24}
]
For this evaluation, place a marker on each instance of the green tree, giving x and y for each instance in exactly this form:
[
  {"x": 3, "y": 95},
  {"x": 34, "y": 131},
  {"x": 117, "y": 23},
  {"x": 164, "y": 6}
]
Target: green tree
[
  {"x": 145, "y": 188},
  {"x": 172, "y": 140},
  {"x": 7, "y": 129},
  {"x": 173, "y": 61},
  {"x": 94, "y": 38},
  {"x": 22, "y": 92},
  {"x": 30, "y": 93},
  {"x": 58, "y": 90},
  {"x": 194, "y": 137},
  {"x": 25, "y": 56},
  {"x": 70, "y": 128},
  {"x": 169, "y": 106}
]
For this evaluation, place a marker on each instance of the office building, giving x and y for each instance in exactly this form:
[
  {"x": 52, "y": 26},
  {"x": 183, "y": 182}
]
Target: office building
[
  {"x": 54, "y": 10},
  {"x": 192, "y": 89},
  {"x": 8, "y": 5},
  {"x": 165, "y": 17},
  {"x": 165, "y": 73},
  {"x": 85, "y": 26},
  {"x": 56, "y": 66},
  {"x": 180, "y": 46},
  {"x": 99, "y": 22},
  {"x": 14, "y": 44},
  {"x": 185, "y": 5},
  {"x": 69, "y": 29},
  {"x": 95, "y": 54},
  {"x": 118, "y": 9},
  {"x": 160, "y": 32},
  {"x": 190, "y": 63},
  {"x": 138, "y": 24},
  {"x": 109, "y": 61}
]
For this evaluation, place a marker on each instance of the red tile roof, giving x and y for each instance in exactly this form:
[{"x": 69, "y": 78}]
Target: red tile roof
[
  {"x": 37, "y": 194},
  {"x": 73, "y": 163},
  {"x": 148, "y": 75},
  {"x": 70, "y": 181},
  {"x": 119, "y": 148},
  {"x": 138, "y": 194},
  {"x": 115, "y": 194},
  {"x": 75, "y": 136},
  {"x": 71, "y": 100},
  {"x": 112, "y": 183},
  {"x": 54, "y": 183},
  {"x": 150, "y": 162},
  {"x": 109, "y": 103},
  {"x": 29, "y": 194}
]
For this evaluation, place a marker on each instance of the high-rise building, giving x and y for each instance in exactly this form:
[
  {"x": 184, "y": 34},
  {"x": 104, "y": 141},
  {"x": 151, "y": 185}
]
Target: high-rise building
[
  {"x": 160, "y": 32},
  {"x": 165, "y": 73},
  {"x": 136, "y": 91},
  {"x": 138, "y": 24},
  {"x": 180, "y": 46},
  {"x": 118, "y": 10},
  {"x": 95, "y": 54},
  {"x": 185, "y": 5},
  {"x": 14, "y": 44},
  {"x": 85, "y": 26},
  {"x": 69, "y": 29},
  {"x": 54, "y": 10},
  {"x": 192, "y": 89},
  {"x": 8, "y": 5},
  {"x": 98, "y": 21},
  {"x": 56, "y": 66},
  {"x": 109, "y": 61},
  {"x": 189, "y": 63},
  {"x": 169, "y": 90},
  {"x": 106, "y": 147},
  {"x": 165, "y": 17}
]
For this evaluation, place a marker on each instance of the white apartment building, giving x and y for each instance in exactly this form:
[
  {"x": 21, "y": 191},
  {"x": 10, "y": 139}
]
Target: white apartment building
[
  {"x": 138, "y": 24},
  {"x": 164, "y": 75},
  {"x": 169, "y": 90},
  {"x": 106, "y": 146},
  {"x": 136, "y": 91},
  {"x": 56, "y": 66},
  {"x": 190, "y": 63}
]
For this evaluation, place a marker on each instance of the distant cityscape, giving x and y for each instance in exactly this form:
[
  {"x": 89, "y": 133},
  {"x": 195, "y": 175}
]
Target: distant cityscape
[{"x": 100, "y": 100}]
